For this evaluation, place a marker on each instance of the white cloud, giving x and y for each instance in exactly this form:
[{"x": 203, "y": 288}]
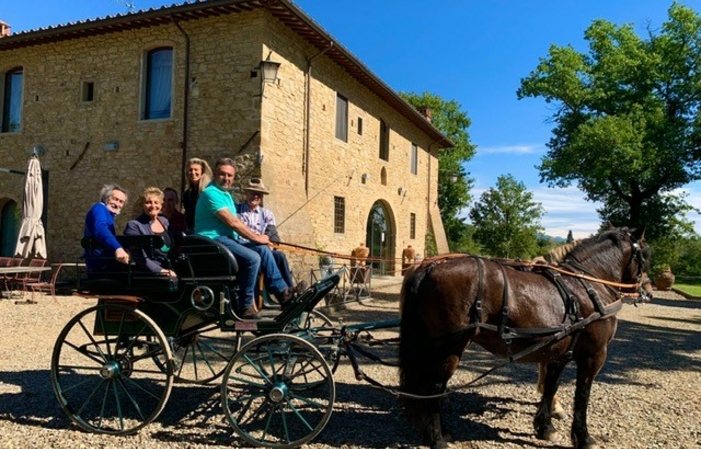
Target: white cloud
[
  {"x": 511, "y": 149},
  {"x": 567, "y": 210}
]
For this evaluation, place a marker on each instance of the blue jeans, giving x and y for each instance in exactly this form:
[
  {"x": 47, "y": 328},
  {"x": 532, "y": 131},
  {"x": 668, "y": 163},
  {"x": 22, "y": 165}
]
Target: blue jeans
[
  {"x": 273, "y": 279},
  {"x": 249, "y": 263},
  {"x": 284, "y": 267}
]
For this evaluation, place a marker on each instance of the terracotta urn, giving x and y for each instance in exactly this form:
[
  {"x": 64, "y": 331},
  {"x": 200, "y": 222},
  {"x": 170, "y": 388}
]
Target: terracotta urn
[{"x": 664, "y": 280}]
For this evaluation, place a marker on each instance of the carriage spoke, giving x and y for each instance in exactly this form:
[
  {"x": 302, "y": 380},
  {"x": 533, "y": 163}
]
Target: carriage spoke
[
  {"x": 286, "y": 408},
  {"x": 122, "y": 393}
]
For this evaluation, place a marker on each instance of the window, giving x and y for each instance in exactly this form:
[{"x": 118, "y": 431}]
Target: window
[
  {"x": 339, "y": 215},
  {"x": 384, "y": 140},
  {"x": 12, "y": 101},
  {"x": 360, "y": 126},
  {"x": 87, "y": 91},
  {"x": 414, "y": 159},
  {"x": 412, "y": 226},
  {"x": 341, "y": 118},
  {"x": 159, "y": 83}
]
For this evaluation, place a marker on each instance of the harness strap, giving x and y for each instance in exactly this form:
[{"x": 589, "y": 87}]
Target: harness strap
[
  {"x": 480, "y": 285},
  {"x": 567, "y": 297}
]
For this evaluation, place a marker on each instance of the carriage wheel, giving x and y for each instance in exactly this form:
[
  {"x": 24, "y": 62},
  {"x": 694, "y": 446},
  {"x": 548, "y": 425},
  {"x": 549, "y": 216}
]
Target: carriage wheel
[
  {"x": 103, "y": 370},
  {"x": 318, "y": 329},
  {"x": 201, "y": 356},
  {"x": 278, "y": 391}
]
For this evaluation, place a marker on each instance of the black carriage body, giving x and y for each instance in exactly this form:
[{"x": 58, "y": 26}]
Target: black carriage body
[{"x": 203, "y": 293}]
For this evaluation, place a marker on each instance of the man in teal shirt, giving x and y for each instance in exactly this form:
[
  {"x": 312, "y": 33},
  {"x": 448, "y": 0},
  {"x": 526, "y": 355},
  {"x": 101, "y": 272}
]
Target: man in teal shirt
[{"x": 215, "y": 217}]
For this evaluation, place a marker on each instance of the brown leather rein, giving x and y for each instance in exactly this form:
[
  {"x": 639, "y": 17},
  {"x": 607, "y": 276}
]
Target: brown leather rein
[{"x": 527, "y": 264}]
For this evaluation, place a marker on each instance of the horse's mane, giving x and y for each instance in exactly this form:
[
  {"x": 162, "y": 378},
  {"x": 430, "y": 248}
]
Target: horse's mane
[
  {"x": 590, "y": 248},
  {"x": 557, "y": 254}
]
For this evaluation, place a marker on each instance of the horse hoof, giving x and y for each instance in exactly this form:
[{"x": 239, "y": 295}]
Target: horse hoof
[
  {"x": 549, "y": 435},
  {"x": 559, "y": 413}
]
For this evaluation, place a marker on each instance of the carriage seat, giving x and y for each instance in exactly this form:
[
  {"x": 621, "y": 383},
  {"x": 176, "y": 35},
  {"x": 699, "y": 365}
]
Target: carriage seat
[
  {"x": 203, "y": 259},
  {"x": 125, "y": 279}
]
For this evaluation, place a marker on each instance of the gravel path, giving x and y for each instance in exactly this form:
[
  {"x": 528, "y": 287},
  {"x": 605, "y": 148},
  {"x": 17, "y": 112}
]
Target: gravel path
[{"x": 646, "y": 396}]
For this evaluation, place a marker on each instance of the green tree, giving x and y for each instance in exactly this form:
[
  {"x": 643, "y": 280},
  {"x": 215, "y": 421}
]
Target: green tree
[
  {"x": 507, "y": 220},
  {"x": 454, "y": 183},
  {"x": 628, "y": 128}
]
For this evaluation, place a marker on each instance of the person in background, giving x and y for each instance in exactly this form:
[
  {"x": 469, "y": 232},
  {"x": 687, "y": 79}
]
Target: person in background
[
  {"x": 150, "y": 222},
  {"x": 216, "y": 218},
  {"x": 99, "y": 225},
  {"x": 199, "y": 175},
  {"x": 178, "y": 226},
  {"x": 262, "y": 221}
]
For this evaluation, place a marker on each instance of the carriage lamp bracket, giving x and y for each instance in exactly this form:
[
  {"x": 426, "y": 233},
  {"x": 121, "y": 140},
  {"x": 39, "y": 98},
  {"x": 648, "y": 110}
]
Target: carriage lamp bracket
[{"x": 202, "y": 298}]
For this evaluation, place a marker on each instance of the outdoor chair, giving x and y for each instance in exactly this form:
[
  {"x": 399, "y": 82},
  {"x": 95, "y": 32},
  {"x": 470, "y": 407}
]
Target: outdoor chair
[
  {"x": 44, "y": 286},
  {"x": 9, "y": 279},
  {"x": 24, "y": 279}
]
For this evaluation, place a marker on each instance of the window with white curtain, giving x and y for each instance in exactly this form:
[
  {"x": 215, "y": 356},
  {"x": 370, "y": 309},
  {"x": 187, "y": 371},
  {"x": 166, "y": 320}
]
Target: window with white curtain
[{"x": 158, "y": 92}]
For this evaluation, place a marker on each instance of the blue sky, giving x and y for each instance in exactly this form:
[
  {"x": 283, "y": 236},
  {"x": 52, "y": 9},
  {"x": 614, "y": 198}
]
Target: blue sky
[{"x": 475, "y": 52}]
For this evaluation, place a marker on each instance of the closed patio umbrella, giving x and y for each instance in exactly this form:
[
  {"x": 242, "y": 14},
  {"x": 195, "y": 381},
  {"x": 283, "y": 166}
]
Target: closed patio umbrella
[{"x": 31, "y": 241}]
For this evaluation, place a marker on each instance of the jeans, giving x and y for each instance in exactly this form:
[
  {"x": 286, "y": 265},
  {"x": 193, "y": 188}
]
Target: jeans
[
  {"x": 283, "y": 266},
  {"x": 273, "y": 279},
  {"x": 249, "y": 263}
]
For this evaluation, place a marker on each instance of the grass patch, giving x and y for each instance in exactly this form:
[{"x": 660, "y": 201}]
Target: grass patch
[{"x": 693, "y": 290}]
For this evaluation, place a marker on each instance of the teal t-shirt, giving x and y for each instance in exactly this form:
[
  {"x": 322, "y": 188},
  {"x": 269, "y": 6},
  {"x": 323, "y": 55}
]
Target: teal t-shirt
[{"x": 211, "y": 200}]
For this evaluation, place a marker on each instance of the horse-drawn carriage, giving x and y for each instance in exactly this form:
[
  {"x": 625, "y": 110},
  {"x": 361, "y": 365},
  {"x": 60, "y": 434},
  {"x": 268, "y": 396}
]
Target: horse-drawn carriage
[{"x": 114, "y": 364}]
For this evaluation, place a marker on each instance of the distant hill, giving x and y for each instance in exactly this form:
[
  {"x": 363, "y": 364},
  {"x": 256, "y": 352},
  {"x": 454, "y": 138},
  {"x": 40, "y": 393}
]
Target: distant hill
[{"x": 558, "y": 240}]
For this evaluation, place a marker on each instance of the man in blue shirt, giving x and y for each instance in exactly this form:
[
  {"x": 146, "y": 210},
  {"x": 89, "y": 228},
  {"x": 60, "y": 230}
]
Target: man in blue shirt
[
  {"x": 99, "y": 224},
  {"x": 216, "y": 218}
]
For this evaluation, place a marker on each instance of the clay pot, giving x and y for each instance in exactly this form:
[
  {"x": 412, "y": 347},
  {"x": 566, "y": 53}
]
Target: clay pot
[{"x": 664, "y": 280}]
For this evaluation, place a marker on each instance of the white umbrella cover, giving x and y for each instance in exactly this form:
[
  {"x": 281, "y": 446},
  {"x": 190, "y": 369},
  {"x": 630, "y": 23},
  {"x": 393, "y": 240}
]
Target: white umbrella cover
[{"x": 31, "y": 241}]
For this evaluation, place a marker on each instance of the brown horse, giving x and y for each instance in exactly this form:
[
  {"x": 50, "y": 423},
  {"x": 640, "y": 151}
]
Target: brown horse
[{"x": 541, "y": 316}]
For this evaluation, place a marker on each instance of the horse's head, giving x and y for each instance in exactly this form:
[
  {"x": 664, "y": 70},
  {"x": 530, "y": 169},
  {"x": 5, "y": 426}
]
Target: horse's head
[{"x": 618, "y": 254}]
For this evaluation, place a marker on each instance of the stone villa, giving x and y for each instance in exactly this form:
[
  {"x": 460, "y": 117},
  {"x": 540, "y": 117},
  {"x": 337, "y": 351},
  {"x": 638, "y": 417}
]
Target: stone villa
[{"x": 129, "y": 98}]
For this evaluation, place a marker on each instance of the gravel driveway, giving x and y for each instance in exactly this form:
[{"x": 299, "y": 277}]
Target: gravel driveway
[{"x": 647, "y": 395}]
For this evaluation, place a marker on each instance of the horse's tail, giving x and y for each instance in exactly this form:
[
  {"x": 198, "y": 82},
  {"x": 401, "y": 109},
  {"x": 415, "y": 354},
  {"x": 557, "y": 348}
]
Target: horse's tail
[{"x": 415, "y": 349}]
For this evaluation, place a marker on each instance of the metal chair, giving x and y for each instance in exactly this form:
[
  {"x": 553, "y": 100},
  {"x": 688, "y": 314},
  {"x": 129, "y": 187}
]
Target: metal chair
[
  {"x": 45, "y": 286},
  {"x": 9, "y": 279},
  {"x": 24, "y": 279}
]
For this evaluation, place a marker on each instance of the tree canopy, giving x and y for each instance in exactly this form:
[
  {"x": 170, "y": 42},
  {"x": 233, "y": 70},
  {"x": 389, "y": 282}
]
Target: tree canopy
[
  {"x": 507, "y": 221},
  {"x": 627, "y": 117},
  {"x": 454, "y": 183}
]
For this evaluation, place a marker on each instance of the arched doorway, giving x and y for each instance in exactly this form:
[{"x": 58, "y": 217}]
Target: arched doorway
[
  {"x": 9, "y": 228},
  {"x": 379, "y": 237}
]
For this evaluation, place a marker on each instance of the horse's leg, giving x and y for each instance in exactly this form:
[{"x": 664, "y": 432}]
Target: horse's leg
[
  {"x": 542, "y": 422},
  {"x": 557, "y": 411},
  {"x": 587, "y": 369},
  {"x": 435, "y": 433}
]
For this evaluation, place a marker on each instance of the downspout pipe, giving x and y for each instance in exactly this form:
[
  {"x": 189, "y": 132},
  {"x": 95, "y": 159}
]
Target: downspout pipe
[
  {"x": 186, "y": 104},
  {"x": 307, "y": 114}
]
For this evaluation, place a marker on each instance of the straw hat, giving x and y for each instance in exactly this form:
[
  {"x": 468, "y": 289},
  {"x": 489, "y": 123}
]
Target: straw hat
[{"x": 256, "y": 185}]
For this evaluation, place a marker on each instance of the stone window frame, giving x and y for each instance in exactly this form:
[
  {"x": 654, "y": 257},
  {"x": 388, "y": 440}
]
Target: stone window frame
[
  {"x": 7, "y": 98},
  {"x": 145, "y": 72},
  {"x": 341, "y": 117},
  {"x": 412, "y": 225},
  {"x": 339, "y": 215},
  {"x": 384, "y": 140},
  {"x": 414, "y": 164}
]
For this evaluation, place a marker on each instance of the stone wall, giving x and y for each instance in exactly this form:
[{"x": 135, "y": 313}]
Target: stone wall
[{"x": 230, "y": 113}]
